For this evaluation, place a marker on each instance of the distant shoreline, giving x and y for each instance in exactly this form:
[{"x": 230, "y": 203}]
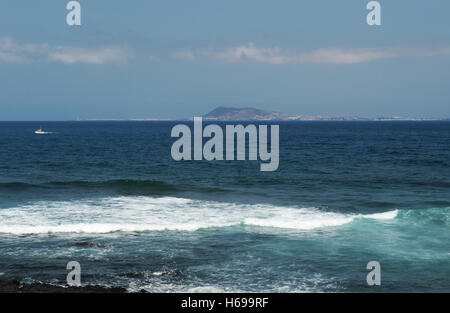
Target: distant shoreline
[
  {"x": 230, "y": 114},
  {"x": 17, "y": 287},
  {"x": 263, "y": 120},
  {"x": 236, "y": 120}
]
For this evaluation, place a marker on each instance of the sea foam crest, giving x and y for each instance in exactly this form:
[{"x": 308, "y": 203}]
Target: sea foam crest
[{"x": 138, "y": 214}]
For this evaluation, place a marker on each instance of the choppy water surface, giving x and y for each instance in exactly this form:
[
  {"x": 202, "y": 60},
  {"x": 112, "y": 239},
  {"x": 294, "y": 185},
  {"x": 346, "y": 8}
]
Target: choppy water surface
[{"x": 108, "y": 195}]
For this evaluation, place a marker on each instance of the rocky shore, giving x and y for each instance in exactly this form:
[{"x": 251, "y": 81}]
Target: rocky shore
[{"x": 16, "y": 287}]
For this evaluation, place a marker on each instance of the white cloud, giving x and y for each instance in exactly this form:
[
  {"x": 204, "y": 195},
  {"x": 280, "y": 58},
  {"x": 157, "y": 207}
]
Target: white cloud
[
  {"x": 276, "y": 56},
  {"x": 251, "y": 53},
  {"x": 12, "y": 52},
  {"x": 11, "y": 58},
  {"x": 71, "y": 55},
  {"x": 341, "y": 56}
]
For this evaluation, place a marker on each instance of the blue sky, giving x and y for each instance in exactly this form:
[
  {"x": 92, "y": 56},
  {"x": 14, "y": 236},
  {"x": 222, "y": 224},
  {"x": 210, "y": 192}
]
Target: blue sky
[{"x": 137, "y": 59}]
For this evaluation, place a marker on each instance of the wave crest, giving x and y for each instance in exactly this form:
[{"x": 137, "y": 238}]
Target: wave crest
[{"x": 139, "y": 214}]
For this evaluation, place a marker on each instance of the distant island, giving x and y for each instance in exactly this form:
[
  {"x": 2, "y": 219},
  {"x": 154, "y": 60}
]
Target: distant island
[
  {"x": 235, "y": 114},
  {"x": 252, "y": 114}
]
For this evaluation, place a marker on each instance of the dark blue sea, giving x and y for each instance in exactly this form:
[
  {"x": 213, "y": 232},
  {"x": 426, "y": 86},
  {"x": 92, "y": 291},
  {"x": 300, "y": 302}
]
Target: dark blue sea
[{"x": 110, "y": 196}]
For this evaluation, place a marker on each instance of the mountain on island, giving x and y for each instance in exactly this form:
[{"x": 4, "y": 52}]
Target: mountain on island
[
  {"x": 237, "y": 114},
  {"x": 252, "y": 114}
]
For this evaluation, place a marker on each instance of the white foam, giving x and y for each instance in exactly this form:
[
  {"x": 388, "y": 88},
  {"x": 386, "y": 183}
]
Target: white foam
[
  {"x": 307, "y": 219},
  {"x": 383, "y": 216},
  {"x": 205, "y": 289},
  {"x": 137, "y": 214}
]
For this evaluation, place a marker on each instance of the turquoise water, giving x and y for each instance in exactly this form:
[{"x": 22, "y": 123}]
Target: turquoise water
[{"x": 345, "y": 193}]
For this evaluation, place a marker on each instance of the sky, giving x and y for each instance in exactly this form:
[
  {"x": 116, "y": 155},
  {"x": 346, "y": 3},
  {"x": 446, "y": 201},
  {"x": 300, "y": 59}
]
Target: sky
[{"x": 177, "y": 59}]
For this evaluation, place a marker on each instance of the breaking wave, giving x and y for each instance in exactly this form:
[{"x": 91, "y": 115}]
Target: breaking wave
[{"x": 142, "y": 213}]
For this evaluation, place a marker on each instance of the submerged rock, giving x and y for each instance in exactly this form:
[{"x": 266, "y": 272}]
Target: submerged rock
[
  {"x": 88, "y": 244},
  {"x": 15, "y": 287}
]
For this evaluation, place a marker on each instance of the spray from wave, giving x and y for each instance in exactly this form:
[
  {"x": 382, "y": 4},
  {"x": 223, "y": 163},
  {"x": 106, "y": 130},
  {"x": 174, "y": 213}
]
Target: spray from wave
[{"x": 138, "y": 214}]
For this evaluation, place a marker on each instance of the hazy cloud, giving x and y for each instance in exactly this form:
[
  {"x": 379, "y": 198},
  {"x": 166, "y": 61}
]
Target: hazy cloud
[
  {"x": 71, "y": 55},
  {"x": 12, "y": 52},
  {"x": 277, "y": 56},
  {"x": 15, "y": 53}
]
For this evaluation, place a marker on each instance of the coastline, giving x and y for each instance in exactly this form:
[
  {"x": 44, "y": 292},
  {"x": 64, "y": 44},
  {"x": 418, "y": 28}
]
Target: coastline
[{"x": 17, "y": 287}]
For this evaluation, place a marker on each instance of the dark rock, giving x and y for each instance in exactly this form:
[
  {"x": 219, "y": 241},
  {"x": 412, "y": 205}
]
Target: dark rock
[
  {"x": 14, "y": 287},
  {"x": 9, "y": 287},
  {"x": 88, "y": 244}
]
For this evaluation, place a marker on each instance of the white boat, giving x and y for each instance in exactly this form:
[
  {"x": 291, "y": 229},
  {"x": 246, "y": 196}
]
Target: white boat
[{"x": 40, "y": 131}]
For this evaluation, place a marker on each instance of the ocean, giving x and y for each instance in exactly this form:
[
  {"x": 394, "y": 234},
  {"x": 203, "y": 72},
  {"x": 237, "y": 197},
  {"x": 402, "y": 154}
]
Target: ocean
[{"x": 109, "y": 196}]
